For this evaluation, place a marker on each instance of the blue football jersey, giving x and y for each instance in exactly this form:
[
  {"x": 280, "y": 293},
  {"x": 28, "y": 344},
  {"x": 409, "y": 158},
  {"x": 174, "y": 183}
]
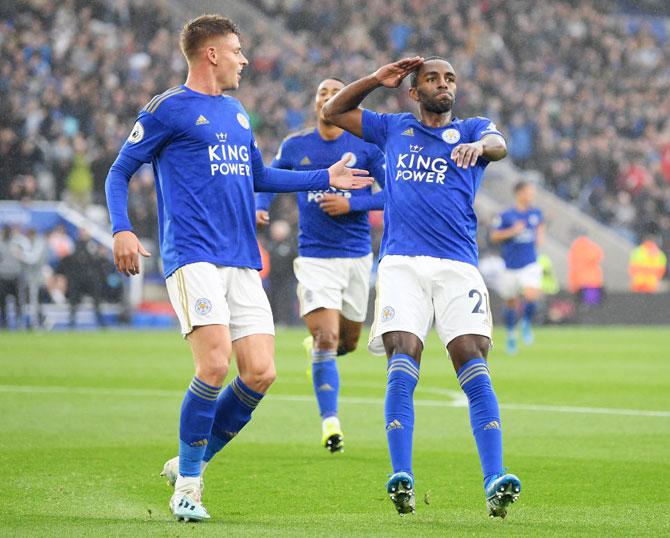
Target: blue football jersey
[
  {"x": 206, "y": 166},
  {"x": 323, "y": 236},
  {"x": 520, "y": 250},
  {"x": 429, "y": 200}
]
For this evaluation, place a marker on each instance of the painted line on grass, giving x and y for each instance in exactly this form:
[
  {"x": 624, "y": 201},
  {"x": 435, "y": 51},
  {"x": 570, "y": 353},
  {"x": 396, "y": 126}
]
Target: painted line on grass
[{"x": 457, "y": 401}]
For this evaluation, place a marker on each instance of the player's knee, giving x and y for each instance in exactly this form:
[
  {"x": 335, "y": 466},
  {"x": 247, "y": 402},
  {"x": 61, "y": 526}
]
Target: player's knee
[
  {"x": 325, "y": 339},
  {"x": 259, "y": 379},
  {"x": 212, "y": 373},
  {"x": 467, "y": 347}
]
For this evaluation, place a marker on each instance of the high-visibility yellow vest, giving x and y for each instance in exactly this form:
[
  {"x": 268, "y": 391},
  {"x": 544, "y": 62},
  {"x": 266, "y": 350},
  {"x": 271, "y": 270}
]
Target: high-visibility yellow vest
[{"x": 646, "y": 268}]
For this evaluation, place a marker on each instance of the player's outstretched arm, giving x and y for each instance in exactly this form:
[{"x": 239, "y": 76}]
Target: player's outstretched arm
[{"x": 342, "y": 110}]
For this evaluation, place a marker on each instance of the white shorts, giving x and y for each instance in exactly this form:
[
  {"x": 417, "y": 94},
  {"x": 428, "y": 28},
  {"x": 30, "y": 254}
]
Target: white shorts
[
  {"x": 415, "y": 291},
  {"x": 207, "y": 294},
  {"x": 513, "y": 281},
  {"x": 339, "y": 283}
]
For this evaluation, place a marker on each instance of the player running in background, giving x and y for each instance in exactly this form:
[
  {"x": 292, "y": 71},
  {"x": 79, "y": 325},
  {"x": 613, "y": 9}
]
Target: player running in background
[
  {"x": 520, "y": 230},
  {"x": 428, "y": 270},
  {"x": 207, "y": 166},
  {"x": 335, "y": 256}
]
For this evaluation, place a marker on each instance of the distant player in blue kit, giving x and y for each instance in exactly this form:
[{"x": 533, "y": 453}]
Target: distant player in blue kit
[
  {"x": 428, "y": 272},
  {"x": 333, "y": 268},
  {"x": 206, "y": 166},
  {"x": 520, "y": 230}
]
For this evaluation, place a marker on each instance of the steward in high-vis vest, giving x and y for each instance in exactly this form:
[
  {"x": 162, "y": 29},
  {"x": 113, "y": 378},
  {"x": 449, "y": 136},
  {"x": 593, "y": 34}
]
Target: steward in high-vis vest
[{"x": 646, "y": 267}]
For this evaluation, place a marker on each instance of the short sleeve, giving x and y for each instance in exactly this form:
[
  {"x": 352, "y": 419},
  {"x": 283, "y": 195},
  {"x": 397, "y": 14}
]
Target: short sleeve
[
  {"x": 377, "y": 166},
  {"x": 481, "y": 127},
  {"x": 375, "y": 128},
  {"x": 146, "y": 138},
  {"x": 502, "y": 221}
]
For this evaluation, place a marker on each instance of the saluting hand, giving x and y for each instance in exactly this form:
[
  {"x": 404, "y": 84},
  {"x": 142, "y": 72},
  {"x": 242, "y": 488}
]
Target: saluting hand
[
  {"x": 127, "y": 248},
  {"x": 391, "y": 75},
  {"x": 342, "y": 177},
  {"x": 334, "y": 204}
]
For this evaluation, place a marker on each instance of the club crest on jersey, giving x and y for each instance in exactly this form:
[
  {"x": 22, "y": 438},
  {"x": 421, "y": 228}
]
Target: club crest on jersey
[
  {"x": 203, "y": 306},
  {"x": 388, "y": 313},
  {"x": 136, "y": 134},
  {"x": 451, "y": 136},
  {"x": 244, "y": 121},
  {"x": 350, "y": 157}
]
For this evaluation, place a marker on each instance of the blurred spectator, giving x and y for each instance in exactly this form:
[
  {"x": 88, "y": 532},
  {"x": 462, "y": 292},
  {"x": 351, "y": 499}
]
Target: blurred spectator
[
  {"x": 59, "y": 243},
  {"x": 585, "y": 273},
  {"x": 281, "y": 246},
  {"x": 83, "y": 274},
  {"x": 646, "y": 266},
  {"x": 32, "y": 255},
  {"x": 10, "y": 272}
]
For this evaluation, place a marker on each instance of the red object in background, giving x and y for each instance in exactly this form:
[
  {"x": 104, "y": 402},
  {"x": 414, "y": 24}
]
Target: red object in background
[
  {"x": 635, "y": 178},
  {"x": 265, "y": 260},
  {"x": 665, "y": 161}
]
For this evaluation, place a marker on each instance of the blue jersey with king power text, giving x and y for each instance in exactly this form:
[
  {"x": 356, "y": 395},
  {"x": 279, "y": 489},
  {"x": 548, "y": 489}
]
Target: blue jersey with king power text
[
  {"x": 429, "y": 200},
  {"x": 206, "y": 166},
  {"x": 323, "y": 236},
  {"x": 520, "y": 250}
]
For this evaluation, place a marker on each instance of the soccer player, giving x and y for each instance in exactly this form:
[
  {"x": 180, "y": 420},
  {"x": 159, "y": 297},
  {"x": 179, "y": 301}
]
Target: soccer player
[
  {"x": 428, "y": 271},
  {"x": 335, "y": 258},
  {"x": 207, "y": 166},
  {"x": 520, "y": 230}
]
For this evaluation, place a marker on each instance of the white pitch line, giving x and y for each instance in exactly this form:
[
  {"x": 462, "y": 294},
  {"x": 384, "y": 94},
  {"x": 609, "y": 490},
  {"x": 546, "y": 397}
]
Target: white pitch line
[{"x": 352, "y": 400}]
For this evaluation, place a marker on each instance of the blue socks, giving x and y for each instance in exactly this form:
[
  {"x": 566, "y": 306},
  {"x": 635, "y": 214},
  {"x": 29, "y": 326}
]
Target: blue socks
[
  {"x": 233, "y": 411},
  {"x": 403, "y": 375},
  {"x": 529, "y": 310},
  {"x": 195, "y": 425},
  {"x": 326, "y": 382},
  {"x": 510, "y": 317},
  {"x": 475, "y": 381}
]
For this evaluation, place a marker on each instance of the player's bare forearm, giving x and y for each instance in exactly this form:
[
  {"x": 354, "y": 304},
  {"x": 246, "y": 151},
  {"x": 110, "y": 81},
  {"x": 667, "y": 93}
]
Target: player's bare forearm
[
  {"x": 494, "y": 147},
  {"x": 498, "y": 236},
  {"x": 342, "y": 110}
]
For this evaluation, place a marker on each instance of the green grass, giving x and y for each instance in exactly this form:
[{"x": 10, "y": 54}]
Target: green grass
[{"x": 82, "y": 443}]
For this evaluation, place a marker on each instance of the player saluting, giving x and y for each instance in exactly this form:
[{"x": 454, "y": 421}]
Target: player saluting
[
  {"x": 333, "y": 269},
  {"x": 207, "y": 166},
  {"x": 520, "y": 230},
  {"x": 428, "y": 270}
]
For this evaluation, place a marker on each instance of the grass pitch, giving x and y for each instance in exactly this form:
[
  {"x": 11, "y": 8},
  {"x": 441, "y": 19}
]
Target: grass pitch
[{"x": 87, "y": 420}]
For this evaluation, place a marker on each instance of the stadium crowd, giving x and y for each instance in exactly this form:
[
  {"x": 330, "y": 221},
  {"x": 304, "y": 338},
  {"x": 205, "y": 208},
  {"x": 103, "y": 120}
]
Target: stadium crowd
[{"x": 581, "y": 95}]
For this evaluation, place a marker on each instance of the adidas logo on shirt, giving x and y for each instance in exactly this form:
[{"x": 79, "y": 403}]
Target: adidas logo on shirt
[
  {"x": 201, "y": 120},
  {"x": 408, "y": 132},
  {"x": 305, "y": 161}
]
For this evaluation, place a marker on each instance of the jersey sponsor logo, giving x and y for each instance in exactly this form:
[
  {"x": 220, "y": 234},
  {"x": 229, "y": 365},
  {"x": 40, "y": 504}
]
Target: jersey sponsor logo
[
  {"x": 305, "y": 161},
  {"x": 244, "y": 121},
  {"x": 408, "y": 132},
  {"x": 225, "y": 159},
  {"x": 222, "y": 137},
  {"x": 415, "y": 148},
  {"x": 317, "y": 196},
  {"x": 350, "y": 157},
  {"x": 419, "y": 168},
  {"x": 201, "y": 120},
  {"x": 451, "y": 136},
  {"x": 388, "y": 313},
  {"x": 203, "y": 306},
  {"x": 137, "y": 133}
]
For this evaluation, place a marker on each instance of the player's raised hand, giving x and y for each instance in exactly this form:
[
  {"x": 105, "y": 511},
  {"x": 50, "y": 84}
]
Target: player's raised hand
[
  {"x": 127, "y": 248},
  {"x": 262, "y": 217},
  {"x": 343, "y": 177},
  {"x": 466, "y": 155},
  {"x": 391, "y": 75},
  {"x": 334, "y": 204}
]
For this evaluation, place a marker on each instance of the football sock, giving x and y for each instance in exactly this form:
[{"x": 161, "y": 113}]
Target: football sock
[
  {"x": 475, "y": 381},
  {"x": 195, "y": 425},
  {"x": 403, "y": 375},
  {"x": 510, "y": 316},
  {"x": 529, "y": 310},
  {"x": 326, "y": 381},
  {"x": 233, "y": 412}
]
